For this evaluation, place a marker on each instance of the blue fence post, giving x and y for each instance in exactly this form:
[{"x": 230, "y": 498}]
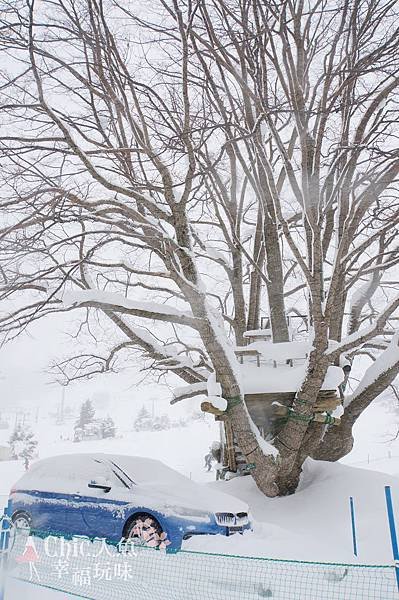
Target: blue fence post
[
  {"x": 4, "y": 542},
  {"x": 353, "y": 523},
  {"x": 392, "y": 529}
]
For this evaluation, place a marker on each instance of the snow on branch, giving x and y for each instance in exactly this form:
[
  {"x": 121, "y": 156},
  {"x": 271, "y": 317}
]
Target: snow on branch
[
  {"x": 183, "y": 366},
  {"x": 387, "y": 360},
  {"x": 366, "y": 333},
  {"x": 189, "y": 391},
  {"x": 360, "y": 295},
  {"x": 138, "y": 308}
]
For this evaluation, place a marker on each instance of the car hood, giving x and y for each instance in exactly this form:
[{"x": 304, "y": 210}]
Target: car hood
[
  {"x": 192, "y": 496},
  {"x": 169, "y": 488}
]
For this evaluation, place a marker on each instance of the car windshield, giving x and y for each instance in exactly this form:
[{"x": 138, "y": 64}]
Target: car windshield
[
  {"x": 139, "y": 470},
  {"x": 124, "y": 473}
]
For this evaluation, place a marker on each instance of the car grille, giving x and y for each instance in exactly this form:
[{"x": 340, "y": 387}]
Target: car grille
[{"x": 231, "y": 519}]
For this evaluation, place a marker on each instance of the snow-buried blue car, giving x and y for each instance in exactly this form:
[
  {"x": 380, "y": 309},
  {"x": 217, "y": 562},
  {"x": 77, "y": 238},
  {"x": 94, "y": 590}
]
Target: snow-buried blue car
[{"x": 122, "y": 497}]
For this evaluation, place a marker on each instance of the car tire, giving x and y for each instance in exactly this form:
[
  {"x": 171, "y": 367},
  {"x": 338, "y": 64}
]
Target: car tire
[
  {"x": 22, "y": 521},
  {"x": 144, "y": 530}
]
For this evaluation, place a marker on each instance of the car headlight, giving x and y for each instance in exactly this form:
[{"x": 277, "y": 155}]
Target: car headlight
[{"x": 190, "y": 513}]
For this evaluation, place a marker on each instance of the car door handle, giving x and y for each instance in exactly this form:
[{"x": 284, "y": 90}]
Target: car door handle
[{"x": 76, "y": 497}]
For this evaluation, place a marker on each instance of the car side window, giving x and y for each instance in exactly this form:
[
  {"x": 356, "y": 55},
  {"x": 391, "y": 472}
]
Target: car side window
[{"x": 65, "y": 475}]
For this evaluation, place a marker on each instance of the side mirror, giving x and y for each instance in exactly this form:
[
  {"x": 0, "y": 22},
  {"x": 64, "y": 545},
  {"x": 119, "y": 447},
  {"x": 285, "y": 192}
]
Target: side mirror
[{"x": 100, "y": 484}]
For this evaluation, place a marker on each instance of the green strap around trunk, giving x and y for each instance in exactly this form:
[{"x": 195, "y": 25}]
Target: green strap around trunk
[{"x": 232, "y": 402}]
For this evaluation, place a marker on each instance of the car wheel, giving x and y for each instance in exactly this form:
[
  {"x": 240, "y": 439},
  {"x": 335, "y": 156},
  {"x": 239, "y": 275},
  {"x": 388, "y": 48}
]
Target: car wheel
[
  {"x": 22, "y": 521},
  {"x": 144, "y": 530}
]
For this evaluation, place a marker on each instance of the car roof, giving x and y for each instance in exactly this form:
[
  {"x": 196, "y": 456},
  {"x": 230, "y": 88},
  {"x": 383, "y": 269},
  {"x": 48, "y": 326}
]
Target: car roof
[
  {"x": 139, "y": 469},
  {"x": 61, "y": 473}
]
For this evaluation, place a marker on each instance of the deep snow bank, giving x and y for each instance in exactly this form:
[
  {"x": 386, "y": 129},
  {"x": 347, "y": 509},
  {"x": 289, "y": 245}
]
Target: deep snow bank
[{"x": 313, "y": 524}]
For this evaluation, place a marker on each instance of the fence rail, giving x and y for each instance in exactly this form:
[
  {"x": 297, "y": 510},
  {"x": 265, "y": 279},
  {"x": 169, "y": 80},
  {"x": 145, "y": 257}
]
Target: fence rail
[{"x": 97, "y": 571}]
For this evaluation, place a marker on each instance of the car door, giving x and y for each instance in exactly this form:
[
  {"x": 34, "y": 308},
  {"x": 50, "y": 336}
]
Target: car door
[
  {"x": 95, "y": 512},
  {"x": 42, "y": 495},
  {"x": 80, "y": 472},
  {"x": 48, "y": 511}
]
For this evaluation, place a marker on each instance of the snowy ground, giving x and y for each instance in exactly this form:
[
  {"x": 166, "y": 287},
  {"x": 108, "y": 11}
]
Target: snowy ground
[
  {"x": 149, "y": 574},
  {"x": 314, "y": 524},
  {"x": 16, "y": 590}
]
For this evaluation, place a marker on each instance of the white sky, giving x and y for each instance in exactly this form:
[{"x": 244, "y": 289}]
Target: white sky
[{"x": 24, "y": 381}]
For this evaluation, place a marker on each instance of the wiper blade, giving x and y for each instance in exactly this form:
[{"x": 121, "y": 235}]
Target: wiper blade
[
  {"x": 101, "y": 462},
  {"x": 122, "y": 471}
]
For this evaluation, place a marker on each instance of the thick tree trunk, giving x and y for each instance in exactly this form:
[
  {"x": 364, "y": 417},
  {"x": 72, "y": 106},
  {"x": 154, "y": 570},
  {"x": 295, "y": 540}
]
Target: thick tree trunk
[
  {"x": 256, "y": 280},
  {"x": 255, "y": 289},
  {"x": 300, "y": 436},
  {"x": 335, "y": 330},
  {"x": 264, "y": 471},
  {"x": 275, "y": 282},
  {"x": 288, "y": 482},
  {"x": 211, "y": 330},
  {"x": 265, "y": 468},
  {"x": 239, "y": 322},
  {"x": 338, "y": 441},
  {"x": 274, "y": 263}
]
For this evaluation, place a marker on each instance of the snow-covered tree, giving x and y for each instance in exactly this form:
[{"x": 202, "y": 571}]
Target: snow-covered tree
[
  {"x": 23, "y": 444},
  {"x": 161, "y": 422},
  {"x": 146, "y": 422},
  {"x": 108, "y": 428},
  {"x": 143, "y": 421},
  {"x": 86, "y": 415},
  {"x": 245, "y": 166}
]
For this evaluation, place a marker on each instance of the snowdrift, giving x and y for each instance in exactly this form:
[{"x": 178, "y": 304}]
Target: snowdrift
[{"x": 314, "y": 523}]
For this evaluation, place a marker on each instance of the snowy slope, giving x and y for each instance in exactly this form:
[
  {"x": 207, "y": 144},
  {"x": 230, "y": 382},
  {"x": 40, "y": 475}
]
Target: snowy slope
[{"x": 376, "y": 437}]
